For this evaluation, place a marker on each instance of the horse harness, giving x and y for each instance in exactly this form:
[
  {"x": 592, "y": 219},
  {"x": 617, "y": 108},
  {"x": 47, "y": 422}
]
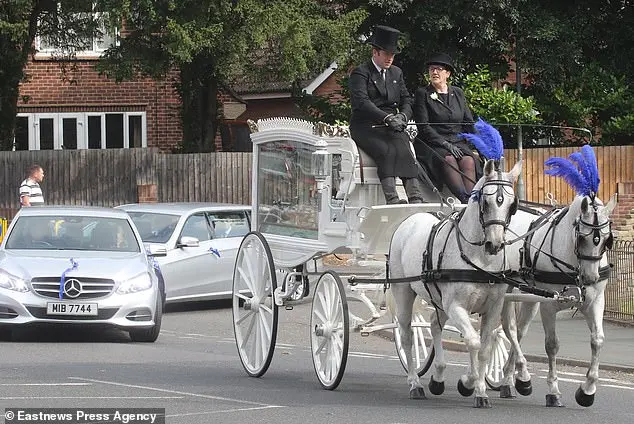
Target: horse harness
[{"x": 528, "y": 263}]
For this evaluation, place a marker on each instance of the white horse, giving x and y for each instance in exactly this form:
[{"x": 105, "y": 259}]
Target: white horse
[
  {"x": 458, "y": 259},
  {"x": 564, "y": 252}
]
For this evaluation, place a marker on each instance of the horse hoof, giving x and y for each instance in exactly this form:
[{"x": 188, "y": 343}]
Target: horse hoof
[
  {"x": 436, "y": 387},
  {"x": 506, "y": 392},
  {"x": 554, "y": 401},
  {"x": 481, "y": 402},
  {"x": 524, "y": 388},
  {"x": 417, "y": 393},
  {"x": 463, "y": 390},
  {"x": 583, "y": 399}
]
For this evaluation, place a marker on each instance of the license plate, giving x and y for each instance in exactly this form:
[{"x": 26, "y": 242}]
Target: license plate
[{"x": 63, "y": 308}]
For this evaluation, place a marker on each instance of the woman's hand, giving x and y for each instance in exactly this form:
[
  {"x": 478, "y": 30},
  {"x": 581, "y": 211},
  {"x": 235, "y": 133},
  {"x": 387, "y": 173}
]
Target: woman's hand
[{"x": 454, "y": 150}]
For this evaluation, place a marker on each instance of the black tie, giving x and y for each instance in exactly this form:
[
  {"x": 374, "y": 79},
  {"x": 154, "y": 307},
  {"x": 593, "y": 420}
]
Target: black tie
[{"x": 384, "y": 79}]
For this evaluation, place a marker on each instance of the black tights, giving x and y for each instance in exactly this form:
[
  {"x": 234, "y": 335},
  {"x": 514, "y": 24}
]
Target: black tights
[{"x": 460, "y": 185}]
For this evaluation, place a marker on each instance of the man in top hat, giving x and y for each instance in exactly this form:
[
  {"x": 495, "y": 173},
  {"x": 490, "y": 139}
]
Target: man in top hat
[{"x": 379, "y": 98}]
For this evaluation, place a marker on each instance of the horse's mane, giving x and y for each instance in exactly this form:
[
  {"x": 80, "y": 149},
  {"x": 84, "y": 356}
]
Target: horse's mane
[{"x": 579, "y": 170}]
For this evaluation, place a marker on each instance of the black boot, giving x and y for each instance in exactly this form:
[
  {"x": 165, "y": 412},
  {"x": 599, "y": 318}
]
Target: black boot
[
  {"x": 414, "y": 190},
  {"x": 389, "y": 190}
]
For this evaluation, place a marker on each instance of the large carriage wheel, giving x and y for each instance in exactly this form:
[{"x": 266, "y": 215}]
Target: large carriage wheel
[
  {"x": 499, "y": 355},
  {"x": 254, "y": 310},
  {"x": 423, "y": 348},
  {"x": 329, "y": 330}
]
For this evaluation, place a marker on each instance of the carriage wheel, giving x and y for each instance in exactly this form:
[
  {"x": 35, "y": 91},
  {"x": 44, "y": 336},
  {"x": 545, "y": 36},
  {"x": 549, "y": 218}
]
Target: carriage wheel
[
  {"x": 423, "y": 348},
  {"x": 254, "y": 311},
  {"x": 329, "y": 328},
  {"x": 499, "y": 355}
]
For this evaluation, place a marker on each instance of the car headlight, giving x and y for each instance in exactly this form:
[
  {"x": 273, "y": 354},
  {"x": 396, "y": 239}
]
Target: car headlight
[
  {"x": 136, "y": 284},
  {"x": 13, "y": 282}
]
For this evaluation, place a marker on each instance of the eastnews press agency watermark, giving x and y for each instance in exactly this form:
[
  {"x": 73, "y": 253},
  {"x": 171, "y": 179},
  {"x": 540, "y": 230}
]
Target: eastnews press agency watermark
[{"x": 85, "y": 415}]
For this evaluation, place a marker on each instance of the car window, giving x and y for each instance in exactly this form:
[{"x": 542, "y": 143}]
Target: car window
[
  {"x": 196, "y": 226},
  {"x": 229, "y": 223},
  {"x": 73, "y": 233},
  {"x": 154, "y": 227}
]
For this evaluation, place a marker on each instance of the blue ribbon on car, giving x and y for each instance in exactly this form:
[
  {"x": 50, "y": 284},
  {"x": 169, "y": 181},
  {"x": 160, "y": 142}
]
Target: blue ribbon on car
[
  {"x": 74, "y": 265},
  {"x": 214, "y": 251}
]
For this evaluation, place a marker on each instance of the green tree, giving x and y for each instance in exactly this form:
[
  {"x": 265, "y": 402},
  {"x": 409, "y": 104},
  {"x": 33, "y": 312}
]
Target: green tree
[
  {"x": 64, "y": 23},
  {"x": 212, "y": 44}
]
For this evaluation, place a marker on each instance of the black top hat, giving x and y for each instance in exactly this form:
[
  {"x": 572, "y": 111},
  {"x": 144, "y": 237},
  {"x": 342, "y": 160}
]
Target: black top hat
[
  {"x": 385, "y": 38},
  {"x": 441, "y": 59}
]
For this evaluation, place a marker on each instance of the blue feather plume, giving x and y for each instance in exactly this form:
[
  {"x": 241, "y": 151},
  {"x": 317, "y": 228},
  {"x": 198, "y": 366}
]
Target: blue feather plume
[
  {"x": 487, "y": 140},
  {"x": 580, "y": 171},
  {"x": 592, "y": 167},
  {"x": 564, "y": 168}
]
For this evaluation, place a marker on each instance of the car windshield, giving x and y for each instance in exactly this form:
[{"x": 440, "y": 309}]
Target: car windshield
[
  {"x": 154, "y": 227},
  {"x": 72, "y": 233}
]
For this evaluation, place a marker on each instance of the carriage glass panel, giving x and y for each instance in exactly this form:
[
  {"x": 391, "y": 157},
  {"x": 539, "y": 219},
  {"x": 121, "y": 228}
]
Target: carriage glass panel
[{"x": 288, "y": 202}]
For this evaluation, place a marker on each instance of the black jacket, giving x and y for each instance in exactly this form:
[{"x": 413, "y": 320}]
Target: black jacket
[{"x": 372, "y": 100}]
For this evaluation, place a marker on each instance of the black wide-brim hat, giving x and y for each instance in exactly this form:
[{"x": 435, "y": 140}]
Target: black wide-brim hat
[
  {"x": 385, "y": 38},
  {"x": 441, "y": 59}
]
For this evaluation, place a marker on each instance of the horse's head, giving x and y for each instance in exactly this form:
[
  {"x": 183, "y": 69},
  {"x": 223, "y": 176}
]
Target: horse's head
[
  {"x": 497, "y": 203},
  {"x": 592, "y": 235}
]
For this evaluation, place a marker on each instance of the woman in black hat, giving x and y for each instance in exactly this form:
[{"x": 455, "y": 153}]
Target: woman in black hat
[
  {"x": 381, "y": 108},
  {"x": 442, "y": 113}
]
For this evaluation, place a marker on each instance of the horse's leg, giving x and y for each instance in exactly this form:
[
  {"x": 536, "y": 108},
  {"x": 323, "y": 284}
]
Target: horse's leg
[
  {"x": 461, "y": 319},
  {"x": 548, "y": 313},
  {"x": 488, "y": 323},
  {"x": 437, "y": 379},
  {"x": 527, "y": 312},
  {"x": 404, "y": 297},
  {"x": 509, "y": 325},
  {"x": 594, "y": 318}
]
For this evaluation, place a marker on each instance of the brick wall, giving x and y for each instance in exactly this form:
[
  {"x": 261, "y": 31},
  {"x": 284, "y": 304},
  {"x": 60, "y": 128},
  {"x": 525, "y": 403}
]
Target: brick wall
[
  {"x": 330, "y": 87},
  {"x": 623, "y": 215},
  {"x": 83, "y": 89}
]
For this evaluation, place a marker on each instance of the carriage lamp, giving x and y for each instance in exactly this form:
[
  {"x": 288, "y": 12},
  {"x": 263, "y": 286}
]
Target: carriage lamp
[{"x": 321, "y": 162}]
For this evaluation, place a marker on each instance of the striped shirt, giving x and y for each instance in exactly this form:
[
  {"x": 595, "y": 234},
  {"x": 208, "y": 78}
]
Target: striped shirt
[{"x": 32, "y": 189}]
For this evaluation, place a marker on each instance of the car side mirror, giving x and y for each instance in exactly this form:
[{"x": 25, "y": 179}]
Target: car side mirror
[
  {"x": 156, "y": 251},
  {"x": 187, "y": 241}
]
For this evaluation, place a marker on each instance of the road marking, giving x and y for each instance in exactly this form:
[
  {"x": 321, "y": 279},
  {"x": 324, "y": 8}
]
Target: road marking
[
  {"x": 45, "y": 384},
  {"x": 176, "y": 392},
  {"x": 615, "y": 386},
  {"x": 88, "y": 397},
  {"x": 222, "y": 411}
]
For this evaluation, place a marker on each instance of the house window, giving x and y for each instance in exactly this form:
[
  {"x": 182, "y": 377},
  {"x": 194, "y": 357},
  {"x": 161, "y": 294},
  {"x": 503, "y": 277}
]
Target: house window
[
  {"x": 53, "y": 41},
  {"x": 89, "y": 130}
]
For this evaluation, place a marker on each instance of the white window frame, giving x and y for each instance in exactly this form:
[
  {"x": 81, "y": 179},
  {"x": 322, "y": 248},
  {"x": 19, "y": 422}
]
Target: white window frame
[
  {"x": 94, "y": 52},
  {"x": 82, "y": 132}
]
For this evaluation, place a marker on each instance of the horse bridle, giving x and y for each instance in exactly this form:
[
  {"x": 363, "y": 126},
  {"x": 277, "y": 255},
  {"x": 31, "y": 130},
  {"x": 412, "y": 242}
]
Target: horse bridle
[
  {"x": 499, "y": 199},
  {"x": 596, "y": 230}
]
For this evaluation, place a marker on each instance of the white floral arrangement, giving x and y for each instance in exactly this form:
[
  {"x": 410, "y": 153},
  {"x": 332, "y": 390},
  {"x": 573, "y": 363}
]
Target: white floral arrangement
[{"x": 434, "y": 96}]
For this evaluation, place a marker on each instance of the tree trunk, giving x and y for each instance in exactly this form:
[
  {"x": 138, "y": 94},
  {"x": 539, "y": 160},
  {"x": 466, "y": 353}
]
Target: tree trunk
[{"x": 198, "y": 92}]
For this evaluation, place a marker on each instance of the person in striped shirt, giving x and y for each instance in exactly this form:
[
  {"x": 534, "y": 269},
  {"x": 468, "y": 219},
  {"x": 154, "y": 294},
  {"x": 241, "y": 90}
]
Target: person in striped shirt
[{"x": 30, "y": 190}]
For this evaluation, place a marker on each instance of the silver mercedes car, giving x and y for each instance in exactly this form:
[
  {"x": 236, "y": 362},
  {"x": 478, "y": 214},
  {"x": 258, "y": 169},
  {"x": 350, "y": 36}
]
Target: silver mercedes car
[
  {"x": 79, "y": 265},
  {"x": 201, "y": 241}
]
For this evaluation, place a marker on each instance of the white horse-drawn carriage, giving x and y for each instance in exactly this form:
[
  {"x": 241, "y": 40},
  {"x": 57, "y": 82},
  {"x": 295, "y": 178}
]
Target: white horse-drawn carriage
[{"x": 314, "y": 192}]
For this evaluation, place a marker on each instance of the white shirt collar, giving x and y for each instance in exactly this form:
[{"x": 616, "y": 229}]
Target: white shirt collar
[{"x": 378, "y": 68}]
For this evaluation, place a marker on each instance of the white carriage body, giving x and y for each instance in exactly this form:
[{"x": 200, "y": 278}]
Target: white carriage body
[{"x": 303, "y": 217}]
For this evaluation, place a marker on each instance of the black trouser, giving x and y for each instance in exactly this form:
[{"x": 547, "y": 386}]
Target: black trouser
[{"x": 413, "y": 188}]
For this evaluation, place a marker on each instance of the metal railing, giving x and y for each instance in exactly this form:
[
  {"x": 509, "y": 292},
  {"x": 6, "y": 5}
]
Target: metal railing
[{"x": 619, "y": 293}]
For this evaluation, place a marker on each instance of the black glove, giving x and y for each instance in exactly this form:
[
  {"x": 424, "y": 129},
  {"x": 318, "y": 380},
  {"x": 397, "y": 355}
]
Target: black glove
[
  {"x": 454, "y": 150},
  {"x": 403, "y": 118},
  {"x": 395, "y": 123}
]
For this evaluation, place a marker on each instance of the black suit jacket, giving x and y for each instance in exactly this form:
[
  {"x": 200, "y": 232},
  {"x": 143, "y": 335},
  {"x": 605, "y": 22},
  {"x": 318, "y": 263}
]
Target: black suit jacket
[
  {"x": 453, "y": 115},
  {"x": 372, "y": 99}
]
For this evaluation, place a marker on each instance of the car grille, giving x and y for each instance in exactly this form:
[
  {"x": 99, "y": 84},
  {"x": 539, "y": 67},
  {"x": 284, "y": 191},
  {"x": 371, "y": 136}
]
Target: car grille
[
  {"x": 91, "y": 288},
  {"x": 105, "y": 313}
]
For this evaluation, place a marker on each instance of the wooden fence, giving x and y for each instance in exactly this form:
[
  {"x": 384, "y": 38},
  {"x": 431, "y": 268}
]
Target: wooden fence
[
  {"x": 113, "y": 177},
  {"x": 616, "y": 164}
]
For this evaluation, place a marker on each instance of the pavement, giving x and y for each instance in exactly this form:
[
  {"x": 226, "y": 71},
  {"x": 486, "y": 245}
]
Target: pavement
[{"x": 617, "y": 353}]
